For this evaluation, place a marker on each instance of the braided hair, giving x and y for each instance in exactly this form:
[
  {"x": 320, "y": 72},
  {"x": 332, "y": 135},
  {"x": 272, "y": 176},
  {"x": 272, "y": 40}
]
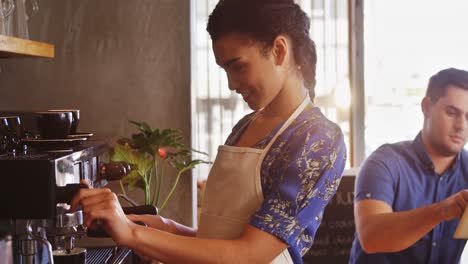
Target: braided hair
[{"x": 264, "y": 20}]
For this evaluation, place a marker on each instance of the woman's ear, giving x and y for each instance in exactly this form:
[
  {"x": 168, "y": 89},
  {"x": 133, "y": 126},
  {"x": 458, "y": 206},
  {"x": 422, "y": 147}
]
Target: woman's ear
[{"x": 280, "y": 50}]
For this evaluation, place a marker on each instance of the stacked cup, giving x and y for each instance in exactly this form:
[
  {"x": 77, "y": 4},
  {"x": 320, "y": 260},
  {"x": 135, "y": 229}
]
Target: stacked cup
[
  {"x": 54, "y": 126},
  {"x": 11, "y": 133},
  {"x": 57, "y": 123},
  {"x": 75, "y": 118}
]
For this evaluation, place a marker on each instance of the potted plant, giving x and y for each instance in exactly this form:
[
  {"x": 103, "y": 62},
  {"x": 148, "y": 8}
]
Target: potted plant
[{"x": 150, "y": 153}]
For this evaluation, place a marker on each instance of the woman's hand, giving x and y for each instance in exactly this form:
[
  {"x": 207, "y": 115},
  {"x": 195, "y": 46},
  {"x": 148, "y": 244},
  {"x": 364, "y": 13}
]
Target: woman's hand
[{"x": 101, "y": 207}]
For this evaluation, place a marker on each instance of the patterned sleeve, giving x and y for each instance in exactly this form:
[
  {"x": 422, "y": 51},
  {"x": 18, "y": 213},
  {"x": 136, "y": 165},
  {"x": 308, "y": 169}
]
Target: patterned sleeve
[{"x": 303, "y": 169}]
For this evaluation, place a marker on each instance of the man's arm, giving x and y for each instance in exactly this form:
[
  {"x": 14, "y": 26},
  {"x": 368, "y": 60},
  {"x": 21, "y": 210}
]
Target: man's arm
[{"x": 379, "y": 229}]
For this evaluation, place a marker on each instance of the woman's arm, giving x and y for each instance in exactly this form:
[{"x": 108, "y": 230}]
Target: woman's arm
[
  {"x": 254, "y": 245},
  {"x": 164, "y": 224}
]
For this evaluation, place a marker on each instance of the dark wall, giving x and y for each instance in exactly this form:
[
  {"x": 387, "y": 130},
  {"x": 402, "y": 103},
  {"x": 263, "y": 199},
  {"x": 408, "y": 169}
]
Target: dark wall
[{"x": 115, "y": 60}]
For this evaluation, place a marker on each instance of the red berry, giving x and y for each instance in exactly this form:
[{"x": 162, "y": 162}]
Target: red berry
[{"x": 162, "y": 153}]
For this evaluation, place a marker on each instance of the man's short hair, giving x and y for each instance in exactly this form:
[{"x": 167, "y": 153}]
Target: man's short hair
[{"x": 439, "y": 82}]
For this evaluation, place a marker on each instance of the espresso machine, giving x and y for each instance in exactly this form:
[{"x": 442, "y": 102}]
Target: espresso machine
[{"x": 36, "y": 189}]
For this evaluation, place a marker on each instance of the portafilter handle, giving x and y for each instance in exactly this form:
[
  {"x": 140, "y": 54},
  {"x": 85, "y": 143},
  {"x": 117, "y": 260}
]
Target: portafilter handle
[
  {"x": 113, "y": 171},
  {"x": 64, "y": 194}
]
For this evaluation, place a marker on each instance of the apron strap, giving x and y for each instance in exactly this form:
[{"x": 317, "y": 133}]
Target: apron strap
[{"x": 291, "y": 118}]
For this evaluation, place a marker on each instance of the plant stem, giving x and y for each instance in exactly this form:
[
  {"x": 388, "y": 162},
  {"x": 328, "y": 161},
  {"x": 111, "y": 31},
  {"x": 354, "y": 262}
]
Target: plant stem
[
  {"x": 155, "y": 175},
  {"x": 128, "y": 200},
  {"x": 147, "y": 194},
  {"x": 123, "y": 189},
  {"x": 160, "y": 182},
  {"x": 149, "y": 180},
  {"x": 172, "y": 190}
]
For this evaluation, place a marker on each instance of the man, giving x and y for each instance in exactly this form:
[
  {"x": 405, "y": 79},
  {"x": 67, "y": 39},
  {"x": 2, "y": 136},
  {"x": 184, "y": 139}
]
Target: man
[{"x": 410, "y": 195}]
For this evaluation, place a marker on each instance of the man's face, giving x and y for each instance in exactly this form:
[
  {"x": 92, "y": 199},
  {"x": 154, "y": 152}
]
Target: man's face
[{"x": 446, "y": 122}]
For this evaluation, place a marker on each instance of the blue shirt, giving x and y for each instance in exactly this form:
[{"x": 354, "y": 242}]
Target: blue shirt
[
  {"x": 403, "y": 176},
  {"x": 299, "y": 175}
]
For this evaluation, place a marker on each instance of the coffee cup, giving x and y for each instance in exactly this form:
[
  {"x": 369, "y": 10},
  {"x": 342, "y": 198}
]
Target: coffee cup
[
  {"x": 11, "y": 132},
  {"x": 3, "y": 126},
  {"x": 74, "y": 256},
  {"x": 3, "y": 135},
  {"x": 54, "y": 125},
  {"x": 11, "y": 126},
  {"x": 75, "y": 118}
]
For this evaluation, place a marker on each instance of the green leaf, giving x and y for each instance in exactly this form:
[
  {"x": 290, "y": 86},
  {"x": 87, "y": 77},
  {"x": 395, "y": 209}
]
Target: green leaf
[
  {"x": 139, "y": 160},
  {"x": 143, "y": 127},
  {"x": 134, "y": 180},
  {"x": 199, "y": 152},
  {"x": 183, "y": 165},
  {"x": 194, "y": 163},
  {"x": 141, "y": 144},
  {"x": 124, "y": 153},
  {"x": 141, "y": 151}
]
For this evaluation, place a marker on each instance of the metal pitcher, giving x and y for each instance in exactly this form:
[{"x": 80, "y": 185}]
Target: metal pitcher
[
  {"x": 6, "y": 252},
  {"x": 6, "y": 10},
  {"x": 17, "y": 22}
]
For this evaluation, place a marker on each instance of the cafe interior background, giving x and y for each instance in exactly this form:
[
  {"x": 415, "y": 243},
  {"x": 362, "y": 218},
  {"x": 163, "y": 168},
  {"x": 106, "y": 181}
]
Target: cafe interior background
[{"x": 151, "y": 60}]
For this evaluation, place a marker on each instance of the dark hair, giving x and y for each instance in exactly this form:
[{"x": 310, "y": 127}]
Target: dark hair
[
  {"x": 440, "y": 81},
  {"x": 264, "y": 20}
]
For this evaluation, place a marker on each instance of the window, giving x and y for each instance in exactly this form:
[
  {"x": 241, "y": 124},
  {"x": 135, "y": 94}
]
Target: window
[{"x": 406, "y": 42}]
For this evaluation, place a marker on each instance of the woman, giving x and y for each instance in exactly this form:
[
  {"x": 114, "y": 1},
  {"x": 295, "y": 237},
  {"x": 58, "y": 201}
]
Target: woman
[{"x": 280, "y": 166}]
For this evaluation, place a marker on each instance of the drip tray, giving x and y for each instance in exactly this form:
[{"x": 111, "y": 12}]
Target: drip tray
[
  {"x": 98, "y": 255},
  {"x": 113, "y": 255},
  {"x": 103, "y": 250}
]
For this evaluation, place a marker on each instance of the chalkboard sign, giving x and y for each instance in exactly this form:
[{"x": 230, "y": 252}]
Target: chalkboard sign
[{"x": 335, "y": 235}]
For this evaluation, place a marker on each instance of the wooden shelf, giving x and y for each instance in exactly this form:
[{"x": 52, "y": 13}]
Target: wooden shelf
[{"x": 11, "y": 47}]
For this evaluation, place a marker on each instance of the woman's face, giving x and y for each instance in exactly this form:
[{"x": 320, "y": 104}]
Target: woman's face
[{"x": 251, "y": 71}]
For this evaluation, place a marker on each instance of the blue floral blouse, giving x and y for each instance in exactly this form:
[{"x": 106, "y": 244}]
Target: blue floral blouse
[{"x": 299, "y": 175}]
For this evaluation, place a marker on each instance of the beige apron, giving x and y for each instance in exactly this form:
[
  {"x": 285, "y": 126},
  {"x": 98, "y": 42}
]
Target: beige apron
[{"x": 234, "y": 191}]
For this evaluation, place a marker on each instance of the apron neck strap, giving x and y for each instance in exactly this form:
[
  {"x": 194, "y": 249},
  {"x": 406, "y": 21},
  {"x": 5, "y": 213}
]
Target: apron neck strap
[{"x": 291, "y": 118}]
